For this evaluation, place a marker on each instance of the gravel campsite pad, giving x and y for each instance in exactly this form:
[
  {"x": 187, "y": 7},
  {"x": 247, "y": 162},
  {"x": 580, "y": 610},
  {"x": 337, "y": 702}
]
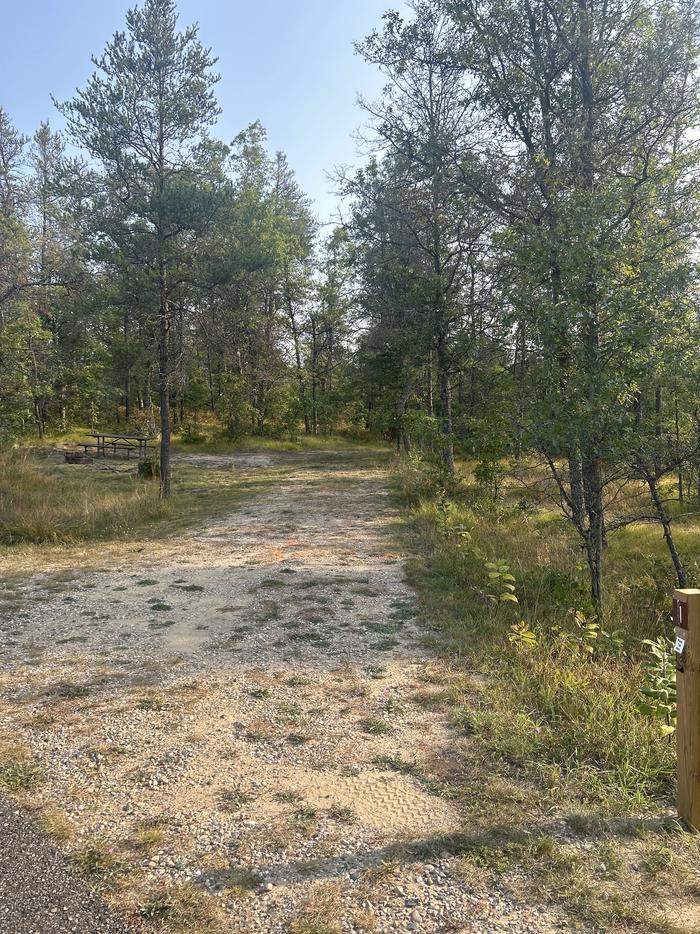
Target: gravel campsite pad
[{"x": 234, "y": 731}]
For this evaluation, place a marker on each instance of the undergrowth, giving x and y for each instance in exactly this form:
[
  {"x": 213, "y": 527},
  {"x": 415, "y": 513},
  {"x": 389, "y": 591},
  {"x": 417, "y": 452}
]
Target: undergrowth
[
  {"x": 45, "y": 502},
  {"x": 52, "y": 504},
  {"x": 503, "y": 588},
  {"x": 206, "y": 440}
]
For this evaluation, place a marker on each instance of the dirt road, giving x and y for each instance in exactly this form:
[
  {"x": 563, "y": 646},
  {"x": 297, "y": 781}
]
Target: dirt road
[{"x": 237, "y": 731}]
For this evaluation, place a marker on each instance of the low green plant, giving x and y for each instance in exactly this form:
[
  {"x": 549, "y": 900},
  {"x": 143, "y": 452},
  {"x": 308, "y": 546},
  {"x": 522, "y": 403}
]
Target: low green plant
[
  {"x": 66, "y": 690},
  {"x": 148, "y": 838},
  {"x": 521, "y": 636},
  {"x": 593, "y": 638},
  {"x": 17, "y": 771},
  {"x": 587, "y": 632},
  {"x": 288, "y": 797},
  {"x": 149, "y": 468},
  {"x": 396, "y": 763},
  {"x": 232, "y": 799},
  {"x": 502, "y": 581},
  {"x": 94, "y": 858},
  {"x": 659, "y": 686},
  {"x": 341, "y": 813},
  {"x": 375, "y": 726},
  {"x": 306, "y": 821}
]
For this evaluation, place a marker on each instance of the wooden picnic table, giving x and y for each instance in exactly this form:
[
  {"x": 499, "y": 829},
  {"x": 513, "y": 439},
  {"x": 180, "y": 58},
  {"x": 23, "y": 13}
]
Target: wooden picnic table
[{"x": 114, "y": 444}]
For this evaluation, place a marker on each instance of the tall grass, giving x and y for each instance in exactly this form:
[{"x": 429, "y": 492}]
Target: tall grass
[
  {"x": 208, "y": 441},
  {"x": 45, "y": 503},
  {"x": 559, "y": 705}
]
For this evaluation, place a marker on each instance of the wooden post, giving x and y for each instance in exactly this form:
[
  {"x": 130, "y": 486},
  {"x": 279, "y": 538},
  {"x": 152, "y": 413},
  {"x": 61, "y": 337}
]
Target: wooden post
[{"x": 686, "y": 617}]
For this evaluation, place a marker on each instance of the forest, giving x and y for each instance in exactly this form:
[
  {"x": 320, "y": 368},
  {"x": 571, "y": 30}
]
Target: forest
[
  {"x": 503, "y": 318},
  {"x": 514, "y": 274}
]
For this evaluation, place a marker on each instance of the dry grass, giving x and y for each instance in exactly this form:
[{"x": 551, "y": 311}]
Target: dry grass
[
  {"x": 17, "y": 771},
  {"x": 181, "y": 908},
  {"x": 45, "y": 503},
  {"x": 42, "y": 502},
  {"x": 365, "y": 921},
  {"x": 320, "y": 912},
  {"x": 148, "y": 838},
  {"x": 56, "y": 824}
]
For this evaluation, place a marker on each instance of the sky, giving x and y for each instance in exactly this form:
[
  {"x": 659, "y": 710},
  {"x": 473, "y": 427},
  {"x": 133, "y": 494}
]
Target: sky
[{"x": 288, "y": 63}]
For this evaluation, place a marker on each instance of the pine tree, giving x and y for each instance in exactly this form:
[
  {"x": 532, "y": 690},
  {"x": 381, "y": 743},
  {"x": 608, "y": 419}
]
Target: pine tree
[{"x": 143, "y": 114}]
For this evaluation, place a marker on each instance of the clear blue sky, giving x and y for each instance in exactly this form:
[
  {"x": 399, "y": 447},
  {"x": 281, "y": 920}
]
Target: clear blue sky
[{"x": 289, "y": 63}]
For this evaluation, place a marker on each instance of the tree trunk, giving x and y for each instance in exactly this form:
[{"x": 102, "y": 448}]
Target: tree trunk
[
  {"x": 678, "y": 453},
  {"x": 127, "y": 371},
  {"x": 403, "y": 439},
  {"x": 668, "y": 533},
  {"x": 297, "y": 358},
  {"x": 429, "y": 374},
  {"x": 164, "y": 383},
  {"x": 63, "y": 416},
  {"x": 595, "y": 539},
  {"x": 314, "y": 381},
  {"x": 591, "y": 443},
  {"x": 443, "y": 373},
  {"x": 39, "y": 401}
]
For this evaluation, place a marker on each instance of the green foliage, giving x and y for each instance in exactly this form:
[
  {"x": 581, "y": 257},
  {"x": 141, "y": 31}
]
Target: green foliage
[
  {"x": 17, "y": 771},
  {"x": 659, "y": 685},
  {"x": 592, "y": 638},
  {"x": 149, "y": 468},
  {"x": 190, "y": 433},
  {"x": 22, "y": 342},
  {"x": 521, "y": 636},
  {"x": 502, "y": 581},
  {"x": 562, "y": 694},
  {"x": 487, "y": 473},
  {"x": 94, "y": 859},
  {"x": 427, "y": 436}
]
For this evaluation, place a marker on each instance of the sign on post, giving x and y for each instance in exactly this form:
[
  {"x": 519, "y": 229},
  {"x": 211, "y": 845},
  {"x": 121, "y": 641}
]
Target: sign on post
[{"x": 686, "y": 619}]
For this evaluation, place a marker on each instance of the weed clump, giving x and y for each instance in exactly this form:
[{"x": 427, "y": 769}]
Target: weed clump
[
  {"x": 17, "y": 771},
  {"x": 375, "y": 726},
  {"x": 182, "y": 908}
]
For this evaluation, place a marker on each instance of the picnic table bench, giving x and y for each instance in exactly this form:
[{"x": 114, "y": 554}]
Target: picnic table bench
[{"x": 118, "y": 444}]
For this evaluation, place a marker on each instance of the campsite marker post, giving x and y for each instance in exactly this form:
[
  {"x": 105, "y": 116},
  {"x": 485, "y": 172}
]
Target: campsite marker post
[{"x": 686, "y": 618}]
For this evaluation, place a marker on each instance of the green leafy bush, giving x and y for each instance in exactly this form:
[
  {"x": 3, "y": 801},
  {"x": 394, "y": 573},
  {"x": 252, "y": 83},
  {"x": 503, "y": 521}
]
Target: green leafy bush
[{"x": 659, "y": 685}]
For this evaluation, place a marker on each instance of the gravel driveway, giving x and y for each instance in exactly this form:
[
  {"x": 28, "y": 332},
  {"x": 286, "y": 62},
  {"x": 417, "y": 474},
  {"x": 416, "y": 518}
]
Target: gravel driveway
[{"x": 247, "y": 721}]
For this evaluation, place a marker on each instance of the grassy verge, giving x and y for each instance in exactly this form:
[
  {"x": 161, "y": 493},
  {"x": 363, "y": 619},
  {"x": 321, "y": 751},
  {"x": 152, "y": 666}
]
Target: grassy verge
[
  {"x": 207, "y": 444},
  {"x": 555, "y": 753},
  {"x": 44, "y": 502},
  {"x": 503, "y": 589}
]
